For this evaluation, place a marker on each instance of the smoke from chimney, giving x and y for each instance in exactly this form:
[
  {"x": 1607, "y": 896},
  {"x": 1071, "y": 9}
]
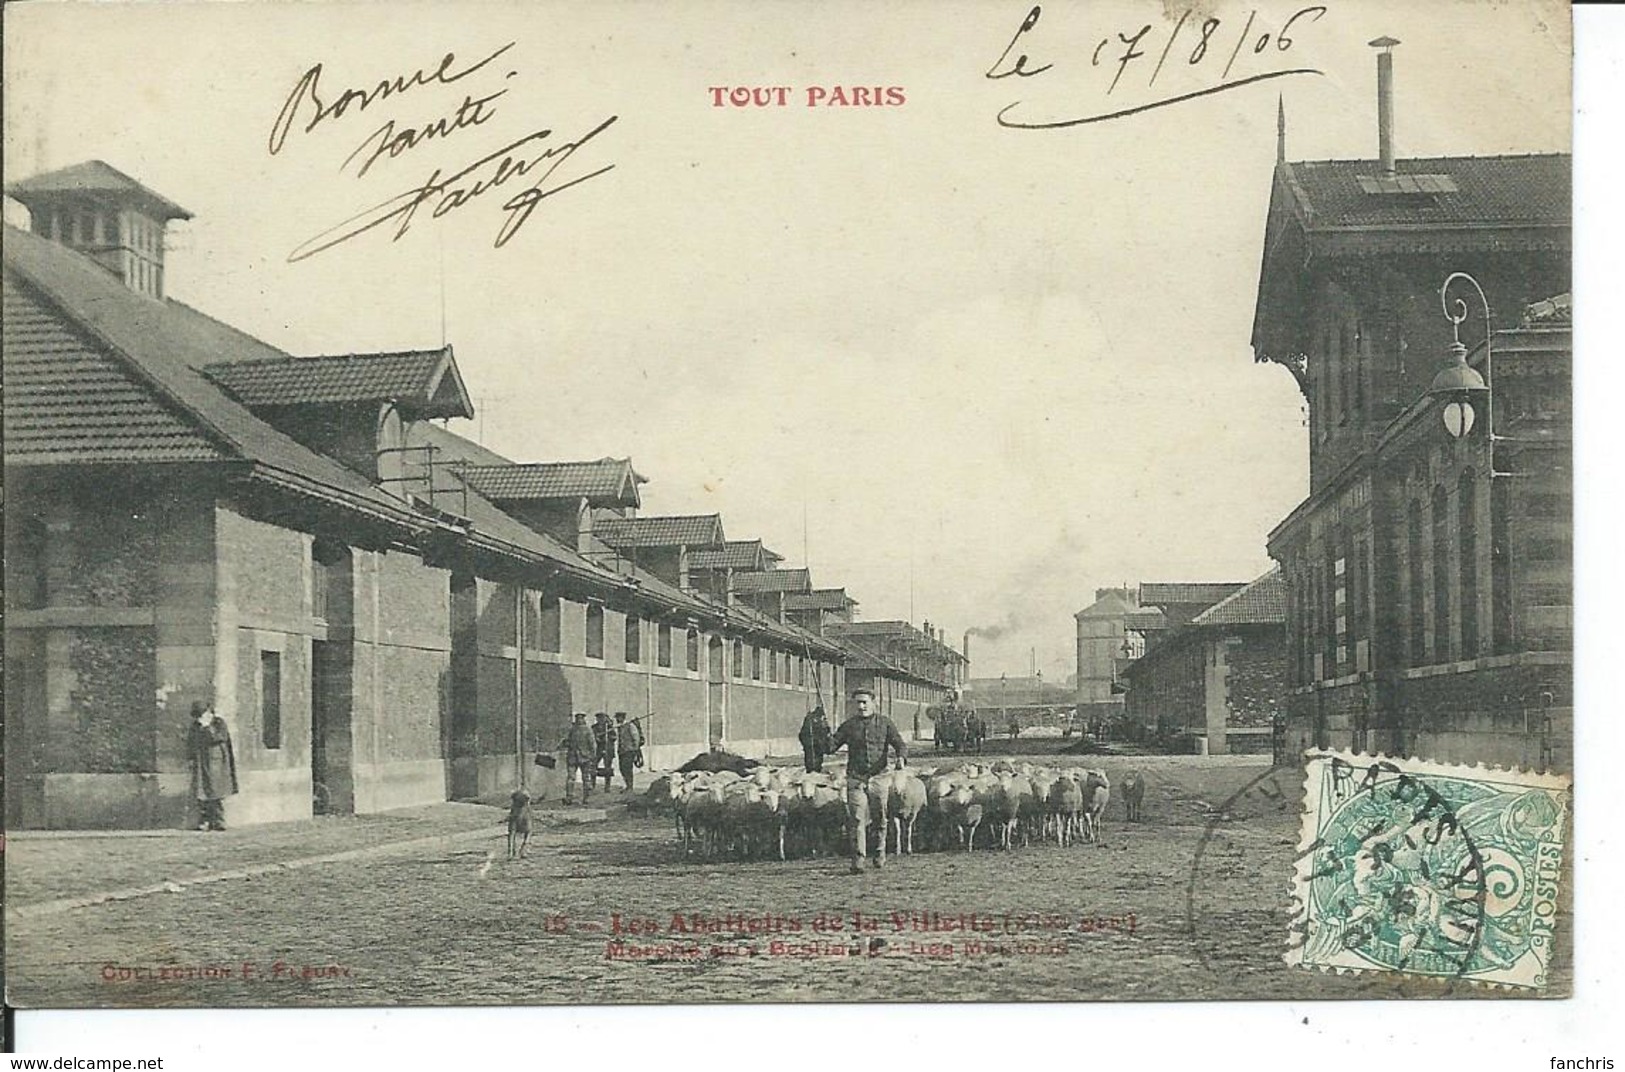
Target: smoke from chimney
[{"x": 1385, "y": 102}]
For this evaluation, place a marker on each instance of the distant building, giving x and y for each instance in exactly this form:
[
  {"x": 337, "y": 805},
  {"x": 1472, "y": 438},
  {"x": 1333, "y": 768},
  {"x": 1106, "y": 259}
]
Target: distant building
[
  {"x": 1220, "y": 679},
  {"x": 1104, "y": 647},
  {"x": 1027, "y": 701},
  {"x": 911, "y": 670},
  {"x": 820, "y": 607},
  {"x": 1429, "y": 572}
]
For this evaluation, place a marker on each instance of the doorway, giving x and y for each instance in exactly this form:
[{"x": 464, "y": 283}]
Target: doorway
[
  {"x": 332, "y": 671},
  {"x": 332, "y": 782}
]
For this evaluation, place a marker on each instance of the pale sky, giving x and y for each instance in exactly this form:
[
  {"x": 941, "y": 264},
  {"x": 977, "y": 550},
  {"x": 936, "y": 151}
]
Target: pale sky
[{"x": 1012, "y": 365}]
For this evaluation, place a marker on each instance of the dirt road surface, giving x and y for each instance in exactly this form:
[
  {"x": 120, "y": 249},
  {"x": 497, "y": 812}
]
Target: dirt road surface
[{"x": 1190, "y": 904}]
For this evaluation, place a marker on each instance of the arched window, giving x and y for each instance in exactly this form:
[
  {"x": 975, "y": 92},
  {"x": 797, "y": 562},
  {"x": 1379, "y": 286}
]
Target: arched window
[
  {"x": 595, "y": 631},
  {"x": 548, "y": 635},
  {"x": 694, "y": 650},
  {"x": 1441, "y": 575},
  {"x": 1351, "y": 367},
  {"x": 533, "y": 620},
  {"x": 634, "y": 639},
  {"x": 1416, "y": 583},
  {"x": 27, "y": 577},
  {"x": 1467, "y": 544},
  {"x": 739, "y": 658}
]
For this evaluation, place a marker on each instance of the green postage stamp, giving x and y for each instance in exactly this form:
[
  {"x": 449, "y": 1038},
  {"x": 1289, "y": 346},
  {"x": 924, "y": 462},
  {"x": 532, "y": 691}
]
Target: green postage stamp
[{"x": 1429, "y": 869}]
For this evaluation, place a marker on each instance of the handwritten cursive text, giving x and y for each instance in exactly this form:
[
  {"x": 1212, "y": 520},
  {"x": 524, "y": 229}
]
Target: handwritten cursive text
[
  {"x": 521, "y": 158},
  {"x": 306, "y": 95}
]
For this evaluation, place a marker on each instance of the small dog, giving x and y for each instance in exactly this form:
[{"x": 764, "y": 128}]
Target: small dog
[
  {"x": 1133, "y": 795},
  {"x": 518, "y": 823}
]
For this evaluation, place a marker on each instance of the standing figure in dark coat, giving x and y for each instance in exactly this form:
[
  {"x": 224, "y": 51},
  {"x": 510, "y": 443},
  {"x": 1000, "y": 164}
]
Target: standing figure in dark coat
[
  {"x": 628, "y": 748},
  {"x": 603, "y": 733},
  {"x": 580, "y": 759},
  {"x": 815, "y": 734},
  {"x": 214, "y": 765}
]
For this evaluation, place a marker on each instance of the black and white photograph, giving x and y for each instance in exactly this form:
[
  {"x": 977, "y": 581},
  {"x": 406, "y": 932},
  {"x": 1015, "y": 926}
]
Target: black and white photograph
[{"x": 556, "y": 504}]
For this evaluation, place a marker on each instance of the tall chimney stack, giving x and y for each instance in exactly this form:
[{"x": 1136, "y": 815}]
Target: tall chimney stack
[
  {"x": 1385, "y": 102},
  {"x": 966, "y": 652}
]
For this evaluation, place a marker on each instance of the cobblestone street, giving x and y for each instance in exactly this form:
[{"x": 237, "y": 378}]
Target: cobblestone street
[{"x": 1182, "y": 906}]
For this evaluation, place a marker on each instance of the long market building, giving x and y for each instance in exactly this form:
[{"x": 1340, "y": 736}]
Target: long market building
[{"x": 386, "y": 613}]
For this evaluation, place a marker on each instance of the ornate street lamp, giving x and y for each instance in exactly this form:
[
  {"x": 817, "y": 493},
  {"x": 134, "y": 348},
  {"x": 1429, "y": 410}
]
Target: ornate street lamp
[{"x": 1459, "y": 385}]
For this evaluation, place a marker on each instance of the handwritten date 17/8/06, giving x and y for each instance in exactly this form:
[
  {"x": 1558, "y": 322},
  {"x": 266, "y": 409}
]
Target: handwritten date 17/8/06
[
  {"x": 537, "y": 155},
  {"x": 1195, "y": 43}
]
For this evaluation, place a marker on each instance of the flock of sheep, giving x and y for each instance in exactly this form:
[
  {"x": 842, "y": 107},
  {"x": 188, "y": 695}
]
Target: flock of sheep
[{"x": 781, "y": 812}]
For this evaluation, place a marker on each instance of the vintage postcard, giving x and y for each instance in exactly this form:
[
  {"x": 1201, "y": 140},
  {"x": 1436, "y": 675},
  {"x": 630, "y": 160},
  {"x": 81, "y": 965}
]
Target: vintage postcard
[{"x": 556, "y": 503}]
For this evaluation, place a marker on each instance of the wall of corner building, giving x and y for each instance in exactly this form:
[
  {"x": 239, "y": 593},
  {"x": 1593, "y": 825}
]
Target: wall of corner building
[
  {"x": 1167, "y": 692},
  {"x": 401, "y": 680},
  {"x": 109, "y": 639},
  {"x": 390, "y": 695}
]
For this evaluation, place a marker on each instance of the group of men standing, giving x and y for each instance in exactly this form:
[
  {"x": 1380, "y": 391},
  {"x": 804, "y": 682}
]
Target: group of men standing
[{"x": 593, "y": 752}]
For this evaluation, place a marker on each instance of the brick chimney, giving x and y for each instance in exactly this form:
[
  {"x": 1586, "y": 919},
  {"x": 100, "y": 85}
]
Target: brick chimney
[
  {"x": 1385, "y": 102},
  {"x": 99, "y": 211}
]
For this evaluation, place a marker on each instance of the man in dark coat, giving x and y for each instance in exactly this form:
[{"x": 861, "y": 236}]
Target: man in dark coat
[
  {"x": 866, "y": 736},
  {"x": 814, "y": 739},
  {"x": 580, "y": 750},
  {"x": 603, "y": 733},
  {"x": 628, "y": 748},
  {"x": 214, "y": 765}
]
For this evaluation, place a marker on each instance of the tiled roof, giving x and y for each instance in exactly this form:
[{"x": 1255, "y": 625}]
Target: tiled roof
[
  {"x": 1262, "y": 602},
  {"x": 91, "y": 178},
  {"x": 789, "y": 580},
  {"x": 161, "y": 344},
  {"x": 1145, "y": 618},
  {"x": 1113, "y": 604},
  {"x": 693, "y": 530},
  {"x": 418, "y": 378},
  {"x": 1159, "y": 594},
  {"x": 859, "y": 657},
  {"x": 735, "y": 554},
  {"x": 606, "y": 479},
  {"x": 1489, "y": 191},
  {"x": 819, "y": 599},
  {"x": 876, "y": 628},
  {"x": 66, "y": 401}
]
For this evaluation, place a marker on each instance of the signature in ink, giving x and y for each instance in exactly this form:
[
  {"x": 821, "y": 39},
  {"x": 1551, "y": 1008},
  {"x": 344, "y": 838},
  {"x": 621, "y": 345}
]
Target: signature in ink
[
  {"x": 518, "y": 159},
  {"x": 306, "y": 95},
  {"x": 1204, "y": 42}
]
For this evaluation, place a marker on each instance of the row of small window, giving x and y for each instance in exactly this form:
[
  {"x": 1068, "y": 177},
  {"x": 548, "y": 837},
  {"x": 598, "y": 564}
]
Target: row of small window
[
  {"x": 1423, "y": 556},
  {"x": 1330, "y": 605},
  {"x": 543, "y": 632},
  {"x": 1330, "y": 611},
  {"x": 89, "y": 228}
]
